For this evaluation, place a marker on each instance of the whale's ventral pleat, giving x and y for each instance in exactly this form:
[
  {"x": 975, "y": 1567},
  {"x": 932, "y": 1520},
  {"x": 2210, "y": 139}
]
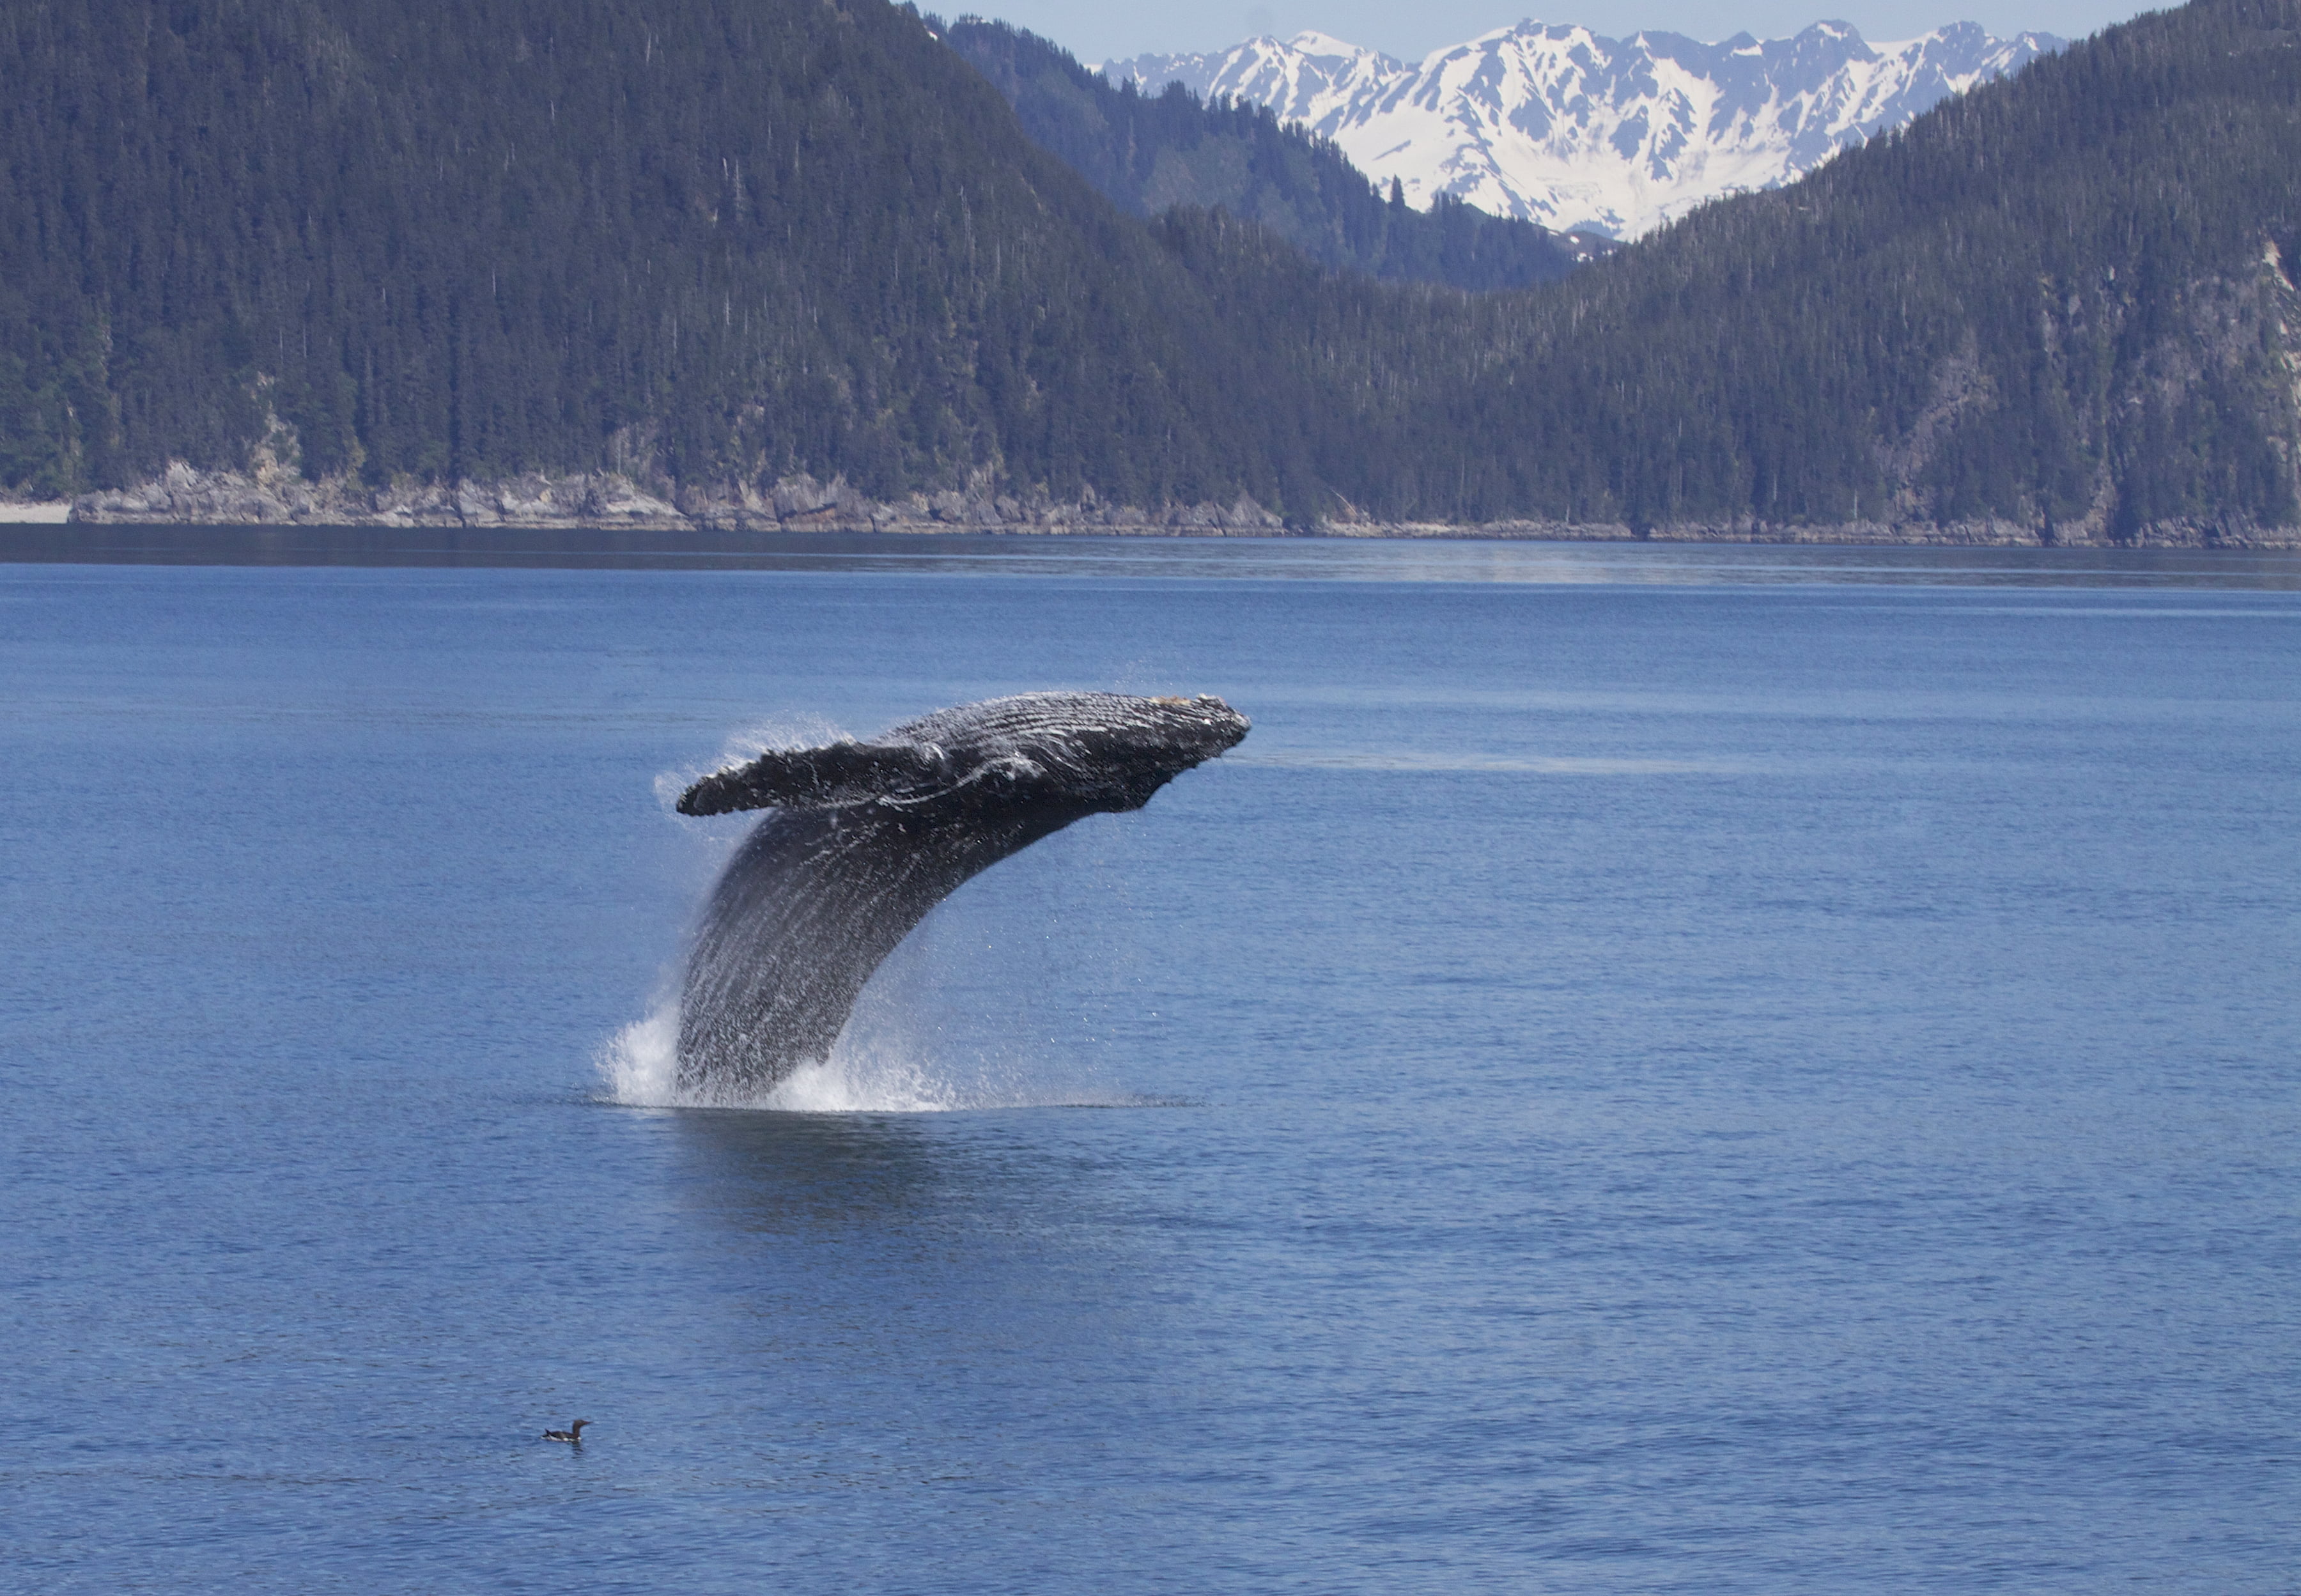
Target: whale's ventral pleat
[{"x": 864, "y": 838}]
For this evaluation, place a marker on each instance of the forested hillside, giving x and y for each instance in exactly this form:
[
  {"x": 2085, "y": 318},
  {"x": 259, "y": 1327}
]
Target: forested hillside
[
  {"x": 698, "y": 239},
  {"x": 2062, "y": 305},
  {"x": 1153, "y": 152},
  {"x": 2065, "y": 299},
  {"x": 718, "y": 244}
]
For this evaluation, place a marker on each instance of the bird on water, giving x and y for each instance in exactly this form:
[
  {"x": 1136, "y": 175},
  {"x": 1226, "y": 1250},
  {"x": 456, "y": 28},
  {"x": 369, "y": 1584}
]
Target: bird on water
[{"x": 573, "y": 1432}]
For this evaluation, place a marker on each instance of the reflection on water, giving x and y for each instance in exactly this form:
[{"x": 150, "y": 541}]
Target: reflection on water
[
  {"x": 1385, "y": 760},
  {"x": 1311, "y": 559},
  {"x": 792, "y": 1173}
]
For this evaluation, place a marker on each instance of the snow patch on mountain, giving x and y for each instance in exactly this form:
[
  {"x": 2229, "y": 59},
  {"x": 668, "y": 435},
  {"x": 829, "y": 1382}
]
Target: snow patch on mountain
[{"x": 1557, "y": 125}]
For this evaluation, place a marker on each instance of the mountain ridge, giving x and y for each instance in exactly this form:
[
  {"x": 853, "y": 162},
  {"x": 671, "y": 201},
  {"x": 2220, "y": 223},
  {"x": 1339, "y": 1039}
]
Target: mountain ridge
[
  {"x": 1561, "y": 126},
  {"x": 1150, "y": 152}
]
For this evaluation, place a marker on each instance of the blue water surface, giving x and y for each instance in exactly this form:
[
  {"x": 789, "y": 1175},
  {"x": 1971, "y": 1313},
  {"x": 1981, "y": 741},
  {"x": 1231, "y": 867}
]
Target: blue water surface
[{"x": 1650, "y": 1069}]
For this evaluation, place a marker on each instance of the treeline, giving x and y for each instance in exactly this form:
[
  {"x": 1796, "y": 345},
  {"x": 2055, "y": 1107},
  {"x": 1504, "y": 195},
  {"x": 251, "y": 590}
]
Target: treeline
[
  {"x": 2066, "y": 301},
  {"x": 2063, "y": 298},
  {"x": 710, "y": 240},
  {"x": 693, "y": 239},
  {"x": 1153, "y": 152}
]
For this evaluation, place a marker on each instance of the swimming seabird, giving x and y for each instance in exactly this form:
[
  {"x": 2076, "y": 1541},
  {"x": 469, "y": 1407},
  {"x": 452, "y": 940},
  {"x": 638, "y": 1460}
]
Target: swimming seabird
[{"x": 573, "y": 1432}]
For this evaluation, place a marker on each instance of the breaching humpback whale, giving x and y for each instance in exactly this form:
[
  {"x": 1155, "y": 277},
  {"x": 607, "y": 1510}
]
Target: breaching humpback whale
[{"x": 867, "y": 837}]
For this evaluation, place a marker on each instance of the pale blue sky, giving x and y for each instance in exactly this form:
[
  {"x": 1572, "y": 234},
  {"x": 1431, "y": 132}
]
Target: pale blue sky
[{"x": 1097, "y": 29}]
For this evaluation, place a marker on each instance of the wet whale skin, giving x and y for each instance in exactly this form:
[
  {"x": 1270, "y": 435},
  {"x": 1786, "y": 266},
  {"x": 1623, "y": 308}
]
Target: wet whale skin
[{"x": 862, "y": 839}]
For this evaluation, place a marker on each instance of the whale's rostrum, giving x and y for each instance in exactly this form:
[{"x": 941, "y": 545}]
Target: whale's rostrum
[{"x": 864, "y": 838}]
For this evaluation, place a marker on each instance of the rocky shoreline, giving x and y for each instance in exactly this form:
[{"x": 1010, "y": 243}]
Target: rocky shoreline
[{"x": 186, "y": 495}]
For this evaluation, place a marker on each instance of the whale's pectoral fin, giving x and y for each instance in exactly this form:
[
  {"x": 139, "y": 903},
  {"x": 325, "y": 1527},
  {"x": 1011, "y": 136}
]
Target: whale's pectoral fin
[{"x": 829, "y": 777}]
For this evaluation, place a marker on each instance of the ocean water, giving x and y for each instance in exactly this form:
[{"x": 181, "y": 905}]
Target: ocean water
[{"x": 1651, "y": 1070}]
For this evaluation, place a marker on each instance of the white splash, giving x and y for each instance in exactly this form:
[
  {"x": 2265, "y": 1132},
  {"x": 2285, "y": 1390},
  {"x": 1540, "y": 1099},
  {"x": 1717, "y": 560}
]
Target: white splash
[
  {"x": 641, "y": 1063},
  {"x": 641, "y": 1067},
  {"x": 873, "y": 1069}
]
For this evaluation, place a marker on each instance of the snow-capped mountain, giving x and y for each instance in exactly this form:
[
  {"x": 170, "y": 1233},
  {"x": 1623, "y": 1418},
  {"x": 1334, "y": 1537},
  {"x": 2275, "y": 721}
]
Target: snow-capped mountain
[{"x": 1564, "y": 127}]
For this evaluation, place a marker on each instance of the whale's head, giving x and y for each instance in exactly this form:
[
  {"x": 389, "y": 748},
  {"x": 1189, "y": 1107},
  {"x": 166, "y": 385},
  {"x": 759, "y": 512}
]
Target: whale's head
[
  {"x": 1087, "y": 751},
  {"x": 1100, "y": 750}
]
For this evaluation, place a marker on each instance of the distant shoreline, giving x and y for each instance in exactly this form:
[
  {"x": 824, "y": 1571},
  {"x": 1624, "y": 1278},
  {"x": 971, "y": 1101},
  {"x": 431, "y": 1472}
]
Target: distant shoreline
[
  {"x": 615, "y": 501},
  {"x": 50, "y": 537},
  {"x": 720, "y": 535}
]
